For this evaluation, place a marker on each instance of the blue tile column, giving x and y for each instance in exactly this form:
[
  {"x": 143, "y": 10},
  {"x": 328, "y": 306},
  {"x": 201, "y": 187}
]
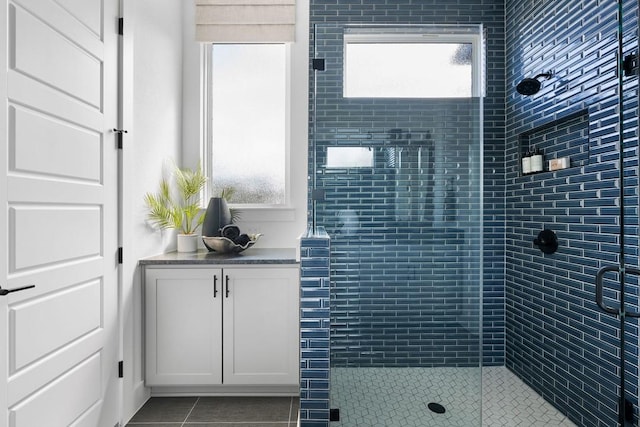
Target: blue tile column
[{"x": 314, "y": 329}]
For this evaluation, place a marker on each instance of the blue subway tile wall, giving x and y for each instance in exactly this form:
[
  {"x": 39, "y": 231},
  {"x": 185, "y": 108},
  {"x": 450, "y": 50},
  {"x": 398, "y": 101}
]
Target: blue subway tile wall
[
  {"x": 391, "y": 274},
  {"x": 406, "y": 283},
  {"x": 314, "y": 329},
  {"x": 557, "y": 339}
]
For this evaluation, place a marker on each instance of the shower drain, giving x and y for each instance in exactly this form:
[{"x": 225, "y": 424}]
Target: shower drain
[{"x": 437, "y": 408}]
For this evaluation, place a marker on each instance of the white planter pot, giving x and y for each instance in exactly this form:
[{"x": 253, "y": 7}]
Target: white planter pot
[{"x": 187, "y": 242}]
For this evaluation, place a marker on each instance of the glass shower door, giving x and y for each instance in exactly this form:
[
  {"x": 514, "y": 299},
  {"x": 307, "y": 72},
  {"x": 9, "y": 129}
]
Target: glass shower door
[{"x": 398, "y": 186}]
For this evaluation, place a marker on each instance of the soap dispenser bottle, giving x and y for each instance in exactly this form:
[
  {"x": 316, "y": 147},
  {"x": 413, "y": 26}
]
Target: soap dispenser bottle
[
  {"x": 537, "y": 161},
  {"x": 526, "y": 163}
]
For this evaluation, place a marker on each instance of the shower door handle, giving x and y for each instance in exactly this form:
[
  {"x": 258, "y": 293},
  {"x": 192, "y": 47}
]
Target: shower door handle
[{"x": 600, "y": 289}]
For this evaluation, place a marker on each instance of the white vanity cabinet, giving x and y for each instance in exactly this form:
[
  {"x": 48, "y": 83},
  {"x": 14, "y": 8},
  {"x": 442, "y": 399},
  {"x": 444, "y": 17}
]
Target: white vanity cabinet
[
  {"x": 222, "y": 325},
  {"x": 183, "y": 326}
]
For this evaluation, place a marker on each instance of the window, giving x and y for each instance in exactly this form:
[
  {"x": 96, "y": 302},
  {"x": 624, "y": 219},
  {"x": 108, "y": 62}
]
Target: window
[
  {"x": 411, "y": 65},
  {"x": 247, "y": 141}
]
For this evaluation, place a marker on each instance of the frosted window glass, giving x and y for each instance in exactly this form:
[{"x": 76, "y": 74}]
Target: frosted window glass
[
  {"x": 248, "y": 122},
  {"x": 408, "y": 70}
]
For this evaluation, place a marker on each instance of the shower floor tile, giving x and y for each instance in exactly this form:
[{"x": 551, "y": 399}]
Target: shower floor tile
[
  {"x": 510, "y": 402},
  {"x": 398, "y": 397}
]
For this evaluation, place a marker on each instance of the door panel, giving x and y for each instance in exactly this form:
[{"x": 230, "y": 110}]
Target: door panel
[
  {"x": 44, "y": 324},
  {"x": 59, "y": 91},
  {"x": 74, "y": 72},
  {"x": 77, "y": 234},
  {"x": 24, "y": 91},
  {"x": 53, "y": 399},
  {"x": 68, "y": 24},
  {"x": 85, "y": 11},
  {"x": 45, "y": 145}
]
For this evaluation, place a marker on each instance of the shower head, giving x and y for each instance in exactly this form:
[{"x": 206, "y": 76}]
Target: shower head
[{"x": 531, "y": 86}]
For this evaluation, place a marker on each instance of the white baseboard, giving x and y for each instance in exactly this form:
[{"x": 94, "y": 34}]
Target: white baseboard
[
  {"x": 291, "y": 390},
  {"x": 140, "y": 396}
]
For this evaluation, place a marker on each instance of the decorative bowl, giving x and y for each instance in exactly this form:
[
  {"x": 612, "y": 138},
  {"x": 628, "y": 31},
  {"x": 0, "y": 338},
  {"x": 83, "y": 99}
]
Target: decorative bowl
[{"x": 227, "y": 246}]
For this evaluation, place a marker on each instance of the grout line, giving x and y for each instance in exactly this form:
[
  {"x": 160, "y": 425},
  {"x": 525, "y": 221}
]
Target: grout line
[
  {"x": 290, "y": 409},
  {"x": 187, "y": 423},
  {"x": 190, "y": 411},
  {"x": 153, "y": 423},
  {"x": 207, "y": 423}
]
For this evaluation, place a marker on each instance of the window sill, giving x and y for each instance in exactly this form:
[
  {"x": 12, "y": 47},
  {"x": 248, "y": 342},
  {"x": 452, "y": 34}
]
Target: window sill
[{"x": 265, "y": 213}]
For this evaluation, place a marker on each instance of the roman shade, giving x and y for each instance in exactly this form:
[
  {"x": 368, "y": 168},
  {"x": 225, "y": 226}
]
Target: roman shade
[{"x": 245, "y": 21}]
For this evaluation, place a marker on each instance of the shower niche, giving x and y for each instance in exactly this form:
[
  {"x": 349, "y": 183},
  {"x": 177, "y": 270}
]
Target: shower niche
[{"x": 565, "y": 137}]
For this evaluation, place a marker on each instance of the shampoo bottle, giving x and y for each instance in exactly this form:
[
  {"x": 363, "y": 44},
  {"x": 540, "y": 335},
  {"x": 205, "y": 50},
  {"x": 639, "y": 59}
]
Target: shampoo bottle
[
  {"x": 526, "y": 163},
  {"x": 537, "y": 161}
]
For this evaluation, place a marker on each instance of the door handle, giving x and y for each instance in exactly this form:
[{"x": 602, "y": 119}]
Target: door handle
[
  {"x": 4, "y": 292},
  {"x": 600, "y": 289},
  {"x": 215, "y": 286},
  {"x": 226, "y": 285}
]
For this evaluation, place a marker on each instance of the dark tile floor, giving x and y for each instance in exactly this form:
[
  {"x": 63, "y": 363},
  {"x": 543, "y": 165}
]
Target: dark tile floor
[{"x": 217, "y": 412}]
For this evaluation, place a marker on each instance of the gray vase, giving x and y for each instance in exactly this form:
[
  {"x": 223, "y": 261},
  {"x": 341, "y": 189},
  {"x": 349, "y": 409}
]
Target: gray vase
[{"x": 217, "y": 216}]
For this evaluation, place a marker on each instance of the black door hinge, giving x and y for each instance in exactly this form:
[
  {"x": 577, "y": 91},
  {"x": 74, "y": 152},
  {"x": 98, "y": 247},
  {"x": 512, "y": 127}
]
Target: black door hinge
[
  {"x": 630, "y": 64},
  {"x": 121, "y": 26},
  {"x": 120, "y": 255},
  {"x": 121, "y": 369},
  {"x": 334, "y": 414},
  {"x": 119, "y": 133},
  {"x": 318, "y": 64},
  {"x": 628, "y": 410}
]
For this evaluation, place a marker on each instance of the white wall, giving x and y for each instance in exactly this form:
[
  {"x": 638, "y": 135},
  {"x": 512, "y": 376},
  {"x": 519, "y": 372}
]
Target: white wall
[
  {"x": 152, "y": 86},
  {"x": 161, "y": 86},
  {"x": 280, "y": 227}
]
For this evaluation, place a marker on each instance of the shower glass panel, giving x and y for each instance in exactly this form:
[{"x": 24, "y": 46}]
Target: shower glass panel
[{"x": 398, "y": 187}]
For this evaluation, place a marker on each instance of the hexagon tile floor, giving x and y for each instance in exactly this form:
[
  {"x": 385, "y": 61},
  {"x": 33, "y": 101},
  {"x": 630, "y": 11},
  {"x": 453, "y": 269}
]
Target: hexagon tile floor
[{"x": 398, "y": 397}]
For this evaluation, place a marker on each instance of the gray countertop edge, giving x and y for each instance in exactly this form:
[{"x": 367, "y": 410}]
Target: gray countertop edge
[{"x": 203, "y": 257}]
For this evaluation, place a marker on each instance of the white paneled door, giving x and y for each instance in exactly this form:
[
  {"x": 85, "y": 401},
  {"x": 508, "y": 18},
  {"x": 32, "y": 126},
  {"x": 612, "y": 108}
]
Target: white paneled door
[{"x": 58, "y": 216}]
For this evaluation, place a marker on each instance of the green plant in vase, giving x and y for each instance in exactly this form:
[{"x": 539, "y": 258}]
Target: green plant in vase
[{"x": 176, "y": 205}]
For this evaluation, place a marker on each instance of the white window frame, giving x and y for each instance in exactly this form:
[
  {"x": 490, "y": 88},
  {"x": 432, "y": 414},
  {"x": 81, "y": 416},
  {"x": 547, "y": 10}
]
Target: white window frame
[
  {"x": 475, "y": 40},
  {"x": 274, "y": 212}
]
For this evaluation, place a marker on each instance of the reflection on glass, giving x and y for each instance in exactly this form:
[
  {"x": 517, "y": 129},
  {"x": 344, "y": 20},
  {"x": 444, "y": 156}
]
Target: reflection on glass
[{"x": 349, "y": 157}]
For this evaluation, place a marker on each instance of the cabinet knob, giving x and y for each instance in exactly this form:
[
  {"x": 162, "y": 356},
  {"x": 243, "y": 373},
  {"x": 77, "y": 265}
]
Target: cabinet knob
[
  {"x": 215, "y": 286},
  {"x": 226, "y": 285}
]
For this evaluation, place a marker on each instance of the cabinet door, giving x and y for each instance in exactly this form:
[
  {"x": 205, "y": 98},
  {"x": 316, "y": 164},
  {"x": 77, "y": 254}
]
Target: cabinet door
[
  {"x": 183, "y": 326},
  {"x": 261, "y": 325}
]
